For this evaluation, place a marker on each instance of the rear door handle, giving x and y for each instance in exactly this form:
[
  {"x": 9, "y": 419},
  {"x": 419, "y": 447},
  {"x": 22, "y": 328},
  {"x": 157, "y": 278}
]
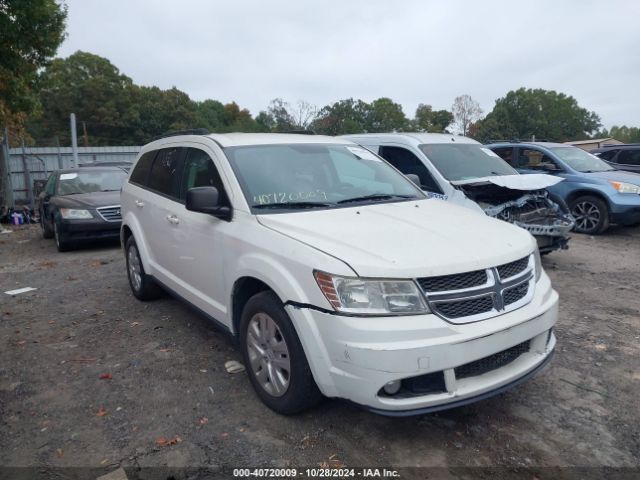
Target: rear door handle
[
  {"x": 139, "y": 204},
  {"x": 173, "y": 219}
]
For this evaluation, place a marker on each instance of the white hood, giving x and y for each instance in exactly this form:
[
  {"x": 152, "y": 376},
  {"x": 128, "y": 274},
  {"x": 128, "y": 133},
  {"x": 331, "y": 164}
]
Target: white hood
[
  {"x": 406, "y": 239},
  {"x": 534, "y": 181}
]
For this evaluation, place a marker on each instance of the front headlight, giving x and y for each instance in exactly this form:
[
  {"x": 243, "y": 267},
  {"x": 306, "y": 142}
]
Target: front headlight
[
  {"x": 623, "y": 187},
  {"x": 73, "y": 213},
  {"x": 358, "y": 296},
  {"x": 537, "y": 264}
]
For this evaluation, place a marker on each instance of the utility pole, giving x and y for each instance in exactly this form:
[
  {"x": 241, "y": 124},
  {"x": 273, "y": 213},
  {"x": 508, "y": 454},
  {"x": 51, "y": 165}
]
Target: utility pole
[{"x": 74, "y": 139}]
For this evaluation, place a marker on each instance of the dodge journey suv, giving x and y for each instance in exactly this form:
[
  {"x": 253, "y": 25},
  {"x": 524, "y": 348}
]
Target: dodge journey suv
[{"x": 338, "y": 276}]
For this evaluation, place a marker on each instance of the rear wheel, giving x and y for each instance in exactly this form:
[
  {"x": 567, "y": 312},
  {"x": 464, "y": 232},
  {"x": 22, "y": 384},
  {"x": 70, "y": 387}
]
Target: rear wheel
[
  {"x": 142, "y": 285},
  {"x": 591, "y": 214},
  {"x": 276, "y": 363}
]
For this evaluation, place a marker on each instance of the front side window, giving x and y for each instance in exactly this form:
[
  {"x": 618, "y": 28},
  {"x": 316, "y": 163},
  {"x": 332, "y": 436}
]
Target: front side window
[
  {"x": 51, "y": 185},
  {"x": 505, "y": 153},
  {"x": 199, "y": 171},
  {"x": 580, "y": 160},
  {"x": 73, "y": 183},
  {"x": 607, "y": 154},
  {"x": 408, "y": 163},
  {"x": 165, "y": 170},
  {"x": 465, "y": 161},
  {"x": 532, "y": 159},
  {"x": 316, "y": 176}
]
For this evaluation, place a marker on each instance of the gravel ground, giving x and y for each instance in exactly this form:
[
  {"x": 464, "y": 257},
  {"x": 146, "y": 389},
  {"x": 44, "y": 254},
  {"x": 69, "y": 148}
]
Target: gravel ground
[{"x": 168, "y": 401}]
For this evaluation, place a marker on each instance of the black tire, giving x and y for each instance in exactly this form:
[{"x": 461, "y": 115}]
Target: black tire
[
  {"x": 62, "y": 243},
  {"x": 302, "y": 392},
  {"x": 143, "y": 288},
  {"x": 46, "y": 230},
  {"x": 591, "y": 214}
]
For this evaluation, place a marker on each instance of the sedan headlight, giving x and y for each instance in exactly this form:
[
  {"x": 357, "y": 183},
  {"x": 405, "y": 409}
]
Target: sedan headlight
[
  {"x": 623, "y": 187},
  {"x": 375, "y": 297},
  {"x": 74, "y": 213},
  {"x": 537, "y": 264}
]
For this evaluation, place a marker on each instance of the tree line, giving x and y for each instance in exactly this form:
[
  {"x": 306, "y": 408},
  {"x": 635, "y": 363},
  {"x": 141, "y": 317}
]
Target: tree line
[{"x": 38, "y": 92}]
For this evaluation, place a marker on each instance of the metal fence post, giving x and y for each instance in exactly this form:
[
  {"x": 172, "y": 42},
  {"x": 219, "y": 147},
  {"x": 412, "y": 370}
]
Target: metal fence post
[
  {"x": 27, "y": 176},
  {"x": 74, "y": 139},
  {"x": 60, "y": 165},
  {"x": 5, "y": 171}
]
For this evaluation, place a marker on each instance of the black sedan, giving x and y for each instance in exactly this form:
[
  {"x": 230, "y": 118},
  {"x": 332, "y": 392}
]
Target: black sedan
[{"x": 81, "y": 204}]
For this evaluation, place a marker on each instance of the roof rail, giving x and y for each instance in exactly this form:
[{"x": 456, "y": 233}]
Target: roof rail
[
  {"x": 499, "y": 140},
  {"x": 609, "y": 145},
  {"x": 192, "y": 131},
  {"x": 519, "y": 140}
]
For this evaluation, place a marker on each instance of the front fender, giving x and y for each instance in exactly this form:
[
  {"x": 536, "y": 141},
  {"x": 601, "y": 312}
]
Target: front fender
[{"x": 132, "y": 222}]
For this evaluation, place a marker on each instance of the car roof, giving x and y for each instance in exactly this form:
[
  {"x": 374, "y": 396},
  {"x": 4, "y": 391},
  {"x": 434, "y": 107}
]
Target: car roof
[
  {"x": 537, "y": 144},
  {"x": 415, "y": 138},
  {"x": 90, "y": 169}
]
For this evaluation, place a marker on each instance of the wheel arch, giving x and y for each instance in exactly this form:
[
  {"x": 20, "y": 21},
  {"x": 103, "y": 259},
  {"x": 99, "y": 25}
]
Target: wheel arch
[
  {"x": 587, "y": 192},
  {"x": 243, "y": 289}
]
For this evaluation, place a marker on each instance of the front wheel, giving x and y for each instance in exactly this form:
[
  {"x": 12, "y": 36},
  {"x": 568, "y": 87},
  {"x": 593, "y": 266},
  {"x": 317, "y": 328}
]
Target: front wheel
[
  {"x": 62, "y": 244},
  {"x": 591, "y": 214},
  {"x": 276, "y": 363}
]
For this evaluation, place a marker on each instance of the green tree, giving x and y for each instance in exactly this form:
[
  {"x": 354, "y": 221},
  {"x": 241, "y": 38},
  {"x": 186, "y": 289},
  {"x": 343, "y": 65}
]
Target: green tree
[
  {"x": 30, "y": 33},
  {"x": 624, "y": 134},
  {"x": 547, "y": 114},
  {"x": 384, "y": 115},
  {"x": 342, "y": 117},
  {"x": 428, "y": 120},
  {"x": 92, "y": 88}
]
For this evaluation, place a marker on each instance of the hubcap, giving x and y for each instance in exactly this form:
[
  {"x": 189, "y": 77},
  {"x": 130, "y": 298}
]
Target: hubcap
[
  {"x": 587, "y": 216},
  {"x": 268, "y": 355},
  {"x": 135, "y": 272}
]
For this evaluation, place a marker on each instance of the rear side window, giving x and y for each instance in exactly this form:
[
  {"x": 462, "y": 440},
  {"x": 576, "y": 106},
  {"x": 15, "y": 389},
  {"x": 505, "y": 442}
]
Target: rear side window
[
  {"x": 408, "y": 163},
  {"x": 165, "y": 172},
  {"x": 628, "y": 157},
  {"x": 141, "y": 170}
]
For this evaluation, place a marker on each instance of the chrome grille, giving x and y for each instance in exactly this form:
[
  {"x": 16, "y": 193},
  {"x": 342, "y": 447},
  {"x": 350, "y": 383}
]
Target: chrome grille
[
  {"x": 464, "y": 308},
  {"x": 457, "y": 281},
  {"x": 492, "y": 362},
  {"x": 111, "y": 213},
  {"x": 508, "y": 270},
  {"x": 480, "y": 294}
]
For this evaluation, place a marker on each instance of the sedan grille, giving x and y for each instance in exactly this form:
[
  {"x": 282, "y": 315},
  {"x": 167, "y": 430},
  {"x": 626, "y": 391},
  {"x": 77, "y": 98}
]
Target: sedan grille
[
  {"x": 110, "y": 214},
  {"x": 492, "y": 362}
]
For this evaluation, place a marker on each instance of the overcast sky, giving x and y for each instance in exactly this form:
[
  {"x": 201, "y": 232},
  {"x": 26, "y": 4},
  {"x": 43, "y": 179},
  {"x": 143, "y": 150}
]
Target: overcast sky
[{"x": 422, "y": 51}]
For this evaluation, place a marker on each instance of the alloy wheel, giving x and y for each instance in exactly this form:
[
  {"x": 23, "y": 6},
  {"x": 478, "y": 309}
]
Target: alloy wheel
[
  {"x": 268, "y": 355},
  {"x": 587, "y": 216},
  {"x": 135, "y": 271}
]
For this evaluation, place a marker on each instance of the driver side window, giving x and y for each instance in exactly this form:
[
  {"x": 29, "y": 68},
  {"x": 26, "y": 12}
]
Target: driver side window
[
  {"x": 536, "y": 160},
  {"x": 199, "y": 171}
]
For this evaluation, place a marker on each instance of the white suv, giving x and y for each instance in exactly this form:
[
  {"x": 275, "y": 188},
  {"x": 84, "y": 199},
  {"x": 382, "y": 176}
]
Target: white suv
[{"x": 337, "y": 274}]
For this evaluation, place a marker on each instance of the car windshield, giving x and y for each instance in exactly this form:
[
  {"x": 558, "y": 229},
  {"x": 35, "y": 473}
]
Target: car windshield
[
  {"x": 296, "y": 176},
  {"x": 71, "y": 183},
  {"x": 580, "y": 160},
  {"x": 465, "y": 161}
]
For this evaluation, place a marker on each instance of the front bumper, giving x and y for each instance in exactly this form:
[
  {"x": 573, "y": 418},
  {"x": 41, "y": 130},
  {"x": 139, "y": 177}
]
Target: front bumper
[
  {"x": 89, "y": 229},
  {"x": 626, "y": 211},
  {"x": 354, "y": 357}
]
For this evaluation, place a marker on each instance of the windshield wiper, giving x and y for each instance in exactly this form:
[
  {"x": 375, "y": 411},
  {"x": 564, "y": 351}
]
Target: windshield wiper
[
  {"x": 298, "y": 205},
  {"x": 111, "y": 190},
  {"x": 375, "y": 196}
]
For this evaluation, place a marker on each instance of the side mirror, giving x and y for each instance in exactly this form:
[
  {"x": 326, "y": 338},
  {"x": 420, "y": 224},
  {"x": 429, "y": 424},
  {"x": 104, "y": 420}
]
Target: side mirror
[
  {"x": 551, "y": 168},
  {"x": 414, "y": 178},
  {"x": 207, "y": 200}
]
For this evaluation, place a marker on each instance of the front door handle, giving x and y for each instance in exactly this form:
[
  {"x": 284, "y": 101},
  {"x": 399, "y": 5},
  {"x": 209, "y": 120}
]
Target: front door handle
[
  {"x": 173, "y": 219},
  {"x": 139, "y": 204}
]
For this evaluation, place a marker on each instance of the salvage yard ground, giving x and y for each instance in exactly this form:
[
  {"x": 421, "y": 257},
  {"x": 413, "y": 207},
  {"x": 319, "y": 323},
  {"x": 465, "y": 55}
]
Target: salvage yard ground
[{"x": 91, "y": 377}]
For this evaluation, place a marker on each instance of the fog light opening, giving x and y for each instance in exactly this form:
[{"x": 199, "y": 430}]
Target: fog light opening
[{"x": 391, "y": 388}]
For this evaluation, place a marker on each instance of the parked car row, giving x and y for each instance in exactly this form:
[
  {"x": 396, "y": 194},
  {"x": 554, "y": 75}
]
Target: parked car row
[
  {"x": 373, "y": 268},
  {"x": 597, "y": 193}
]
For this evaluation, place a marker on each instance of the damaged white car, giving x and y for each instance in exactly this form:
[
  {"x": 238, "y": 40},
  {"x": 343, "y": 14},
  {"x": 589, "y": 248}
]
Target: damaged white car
[{"x": 465, "y": 172}]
